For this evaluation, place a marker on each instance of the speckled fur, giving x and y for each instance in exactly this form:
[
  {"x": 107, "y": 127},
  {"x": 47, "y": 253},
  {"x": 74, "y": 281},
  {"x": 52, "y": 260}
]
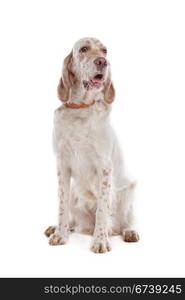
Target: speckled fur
[{"x": 95, "y": 196}]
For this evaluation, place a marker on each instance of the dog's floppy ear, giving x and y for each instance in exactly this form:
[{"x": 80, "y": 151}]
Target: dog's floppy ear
[
  {"x": 66, "y": 80},
  {"x": 109, "y": 91}
]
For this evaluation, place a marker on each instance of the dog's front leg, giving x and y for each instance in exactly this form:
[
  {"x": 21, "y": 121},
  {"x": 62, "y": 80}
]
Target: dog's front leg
[
  {"x": 61, "y": 234},
  {"x": 101, "y": 242}
]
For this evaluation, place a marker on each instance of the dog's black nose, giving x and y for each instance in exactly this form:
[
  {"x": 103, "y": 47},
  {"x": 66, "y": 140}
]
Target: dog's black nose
[{"x": 100, "y": 62}]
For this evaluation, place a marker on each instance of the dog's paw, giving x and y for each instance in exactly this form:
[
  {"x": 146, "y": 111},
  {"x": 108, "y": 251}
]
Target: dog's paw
[
  {"x": 50, "y": 230},
  {"x": 101, "y": 246},
  {"x": 57, "y": 239},
  {"x": 130, "y": 236}
]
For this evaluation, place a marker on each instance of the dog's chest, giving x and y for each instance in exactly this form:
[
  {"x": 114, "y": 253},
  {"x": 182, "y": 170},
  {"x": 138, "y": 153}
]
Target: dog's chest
[{"x": 82, "y": 136}]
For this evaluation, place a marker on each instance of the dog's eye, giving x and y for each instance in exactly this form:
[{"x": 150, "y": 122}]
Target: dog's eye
[
  {"x": 84, "y": 49},
  {"x": 104, "y": 50}
]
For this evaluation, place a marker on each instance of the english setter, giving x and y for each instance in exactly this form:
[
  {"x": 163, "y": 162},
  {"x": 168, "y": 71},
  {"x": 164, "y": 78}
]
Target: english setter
[{"x": 95, "y": 196}]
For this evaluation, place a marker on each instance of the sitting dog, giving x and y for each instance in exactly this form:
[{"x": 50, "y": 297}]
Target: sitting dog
[{"x": 95, "y": 196}]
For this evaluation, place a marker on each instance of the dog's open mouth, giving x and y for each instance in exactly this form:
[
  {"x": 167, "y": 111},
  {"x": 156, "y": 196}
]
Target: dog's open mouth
[
  {"x": 95, "y": 81},
  {"x": 97, "y": 78}
]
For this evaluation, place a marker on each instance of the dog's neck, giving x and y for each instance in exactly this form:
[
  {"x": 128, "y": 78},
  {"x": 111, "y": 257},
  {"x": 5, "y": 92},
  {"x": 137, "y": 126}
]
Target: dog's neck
[{"x": 80, "y": 95}]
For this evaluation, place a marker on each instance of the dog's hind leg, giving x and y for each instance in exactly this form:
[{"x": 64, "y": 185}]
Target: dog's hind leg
[
  {"x": 51, "y": 229},
  {"x": 126, "y": 213}
]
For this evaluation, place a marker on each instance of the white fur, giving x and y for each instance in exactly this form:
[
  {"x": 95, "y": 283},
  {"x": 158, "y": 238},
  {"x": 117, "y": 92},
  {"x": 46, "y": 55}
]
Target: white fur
[{"x": 94, "y": 194}]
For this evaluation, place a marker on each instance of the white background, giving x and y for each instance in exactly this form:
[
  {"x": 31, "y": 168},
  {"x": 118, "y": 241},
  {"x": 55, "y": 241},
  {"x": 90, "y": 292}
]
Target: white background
[{"x": 146, "y": 42}]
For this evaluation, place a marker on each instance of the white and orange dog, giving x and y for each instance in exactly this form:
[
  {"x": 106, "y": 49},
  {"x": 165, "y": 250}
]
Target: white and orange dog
[{"x": 95, "y": 196}]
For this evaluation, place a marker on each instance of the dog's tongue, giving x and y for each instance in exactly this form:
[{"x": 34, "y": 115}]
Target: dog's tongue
[{"x": 96, "y": 80}]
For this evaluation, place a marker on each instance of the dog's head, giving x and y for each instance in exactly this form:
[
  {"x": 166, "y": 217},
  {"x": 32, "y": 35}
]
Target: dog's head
[{"x": 87, "y": 64}]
